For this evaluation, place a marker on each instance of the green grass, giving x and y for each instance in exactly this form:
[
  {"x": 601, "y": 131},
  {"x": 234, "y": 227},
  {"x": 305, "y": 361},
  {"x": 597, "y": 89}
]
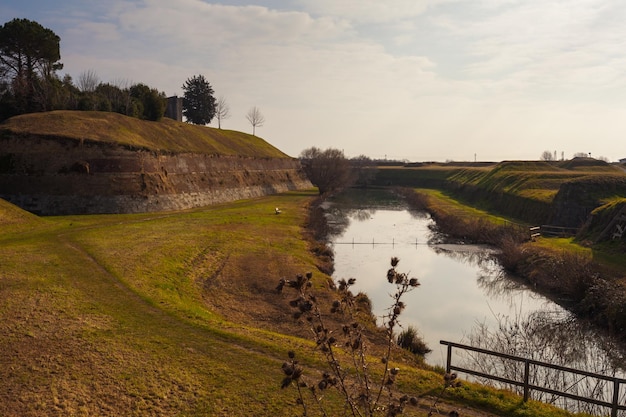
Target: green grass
[
  {"x": 108, "y": 302},
  {"x": 533, "y": 180},
  {"x": 562, "y": 244},
  {"x": 167, "y": 314},
  {"x": 528, "y": 191},
  {"x": 452, "y": 206}
]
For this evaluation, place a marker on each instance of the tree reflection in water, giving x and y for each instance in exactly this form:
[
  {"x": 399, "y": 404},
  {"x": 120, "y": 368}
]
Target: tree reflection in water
[
  {"x": 359, "y": 205},
  {"x": 554, "y": 336}
]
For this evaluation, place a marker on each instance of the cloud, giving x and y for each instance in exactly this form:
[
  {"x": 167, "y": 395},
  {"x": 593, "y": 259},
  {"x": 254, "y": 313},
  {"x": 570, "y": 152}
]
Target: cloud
[
  {"x": 369, "y": 11},
  {"x": 217, "y": 26},
  {"x": 96, "y": 31},
  {"x": 440, "y": 79},
  {"x": 539, "y": 43}
]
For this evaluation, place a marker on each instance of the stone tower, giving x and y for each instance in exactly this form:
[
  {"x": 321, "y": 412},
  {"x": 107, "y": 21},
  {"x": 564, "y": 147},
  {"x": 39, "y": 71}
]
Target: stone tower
[{"x": 174, "y": 109}]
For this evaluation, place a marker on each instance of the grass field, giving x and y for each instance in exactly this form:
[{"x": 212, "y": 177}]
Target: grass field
[{"x": 170, "y": 314}]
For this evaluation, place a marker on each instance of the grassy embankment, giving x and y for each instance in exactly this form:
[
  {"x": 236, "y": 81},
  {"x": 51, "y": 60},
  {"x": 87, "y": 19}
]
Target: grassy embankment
[
  {"x": 167, "y": 314},
  {"x": 523, "y": 193},
  {"x": 165, "y": 135}
]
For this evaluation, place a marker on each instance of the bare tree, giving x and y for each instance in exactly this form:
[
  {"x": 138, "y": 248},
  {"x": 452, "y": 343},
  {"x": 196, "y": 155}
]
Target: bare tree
[
  {"x": 547, "y": 156},
  {"x": 328, "y": 170},
  {"x": 222, "y": 111},
  {"x": 87, "y": 81},
  {"x": 124, "y": 85},
  {"x": 364, "y": 170},
  {"x": 255, "y": 118}
]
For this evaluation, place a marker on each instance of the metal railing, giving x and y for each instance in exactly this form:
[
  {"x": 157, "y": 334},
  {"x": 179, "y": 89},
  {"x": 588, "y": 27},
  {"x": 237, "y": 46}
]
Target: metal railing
[
  {"x": 558, "y": 231},
  {"x": 528, "y": 386},
  {"x": 535, "y": 232},
  {"x": 551, "y": 231}
]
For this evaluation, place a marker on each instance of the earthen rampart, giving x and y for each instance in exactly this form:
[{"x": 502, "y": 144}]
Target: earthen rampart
[{"x": 56, "y": 176}]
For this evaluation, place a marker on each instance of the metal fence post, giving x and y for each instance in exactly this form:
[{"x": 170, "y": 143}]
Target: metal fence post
[
  {"x": 526, "y": 372},
  {"x": 449, "y": 360},
  {"x": 615, "y": 397}
]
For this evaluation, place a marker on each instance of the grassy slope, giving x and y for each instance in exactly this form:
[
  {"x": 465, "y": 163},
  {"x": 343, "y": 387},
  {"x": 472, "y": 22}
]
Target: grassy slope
[
  {"x": 164, "y": 314},
  {"x": 535, "y": 180},
  {"x": 524, "y": 190},
  {"x": 107, "y": 315},
  {"x": 165, "y": 135},
  {"x": 16, "y": 217}
]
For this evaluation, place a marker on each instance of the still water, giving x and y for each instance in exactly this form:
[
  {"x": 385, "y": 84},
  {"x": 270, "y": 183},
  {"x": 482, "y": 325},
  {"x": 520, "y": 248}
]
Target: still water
[
  {"x": 454, "y": 295},
  {"x": 464, "y": 295}
]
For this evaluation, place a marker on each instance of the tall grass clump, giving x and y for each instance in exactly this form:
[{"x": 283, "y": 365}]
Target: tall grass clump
[{"x": 410, "y": 340}]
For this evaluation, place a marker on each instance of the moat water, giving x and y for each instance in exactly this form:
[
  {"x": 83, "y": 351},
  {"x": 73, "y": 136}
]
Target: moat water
[{"x": 464, "y": 296}]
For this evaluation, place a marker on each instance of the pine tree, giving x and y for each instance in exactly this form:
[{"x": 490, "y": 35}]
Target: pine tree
[{"x": 198, "y": 100}]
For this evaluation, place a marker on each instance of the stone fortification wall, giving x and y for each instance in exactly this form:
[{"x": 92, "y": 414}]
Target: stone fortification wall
[{"x": 54, "y": 176}]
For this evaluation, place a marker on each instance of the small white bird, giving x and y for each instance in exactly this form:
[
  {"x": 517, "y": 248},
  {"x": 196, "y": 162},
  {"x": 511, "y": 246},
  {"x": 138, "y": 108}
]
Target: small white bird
[{"x": 277, "y": 210}]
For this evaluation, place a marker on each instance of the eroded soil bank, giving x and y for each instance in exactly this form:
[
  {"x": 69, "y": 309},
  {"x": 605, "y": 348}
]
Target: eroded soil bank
[{"x": 61, "y": 176}]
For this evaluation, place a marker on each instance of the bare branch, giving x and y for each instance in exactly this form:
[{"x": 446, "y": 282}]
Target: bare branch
[
  {"x": 255, "y": 118},
  {"x": 222, "y": 111},
  {"x": 87, "y": 81}
]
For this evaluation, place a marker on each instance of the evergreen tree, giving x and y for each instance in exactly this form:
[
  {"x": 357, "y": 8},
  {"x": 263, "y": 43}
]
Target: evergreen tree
[
  {"x": 198, "y": 101},
  {"x": 29, "y": 58}
]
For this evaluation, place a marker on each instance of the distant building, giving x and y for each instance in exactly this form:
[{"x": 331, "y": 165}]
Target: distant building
[
  {"x": 174, "y": 109},
  {"x": 622, "y": 161}
]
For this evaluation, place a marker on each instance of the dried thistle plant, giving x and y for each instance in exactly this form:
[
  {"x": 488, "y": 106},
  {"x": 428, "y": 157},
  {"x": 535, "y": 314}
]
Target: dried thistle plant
[
  {"x": 367, "y": 386},
  {"x": 449, "y": 381}
]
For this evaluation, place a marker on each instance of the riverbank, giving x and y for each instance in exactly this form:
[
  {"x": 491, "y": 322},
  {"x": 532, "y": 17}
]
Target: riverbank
[
  {"x": 558, "y": 193},
  {"x": 174, "y": 313},
  {"x": 565, "y": 271}
]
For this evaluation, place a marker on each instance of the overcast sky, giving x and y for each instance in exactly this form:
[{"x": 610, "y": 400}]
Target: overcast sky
[{"x": 422, "y": 80}]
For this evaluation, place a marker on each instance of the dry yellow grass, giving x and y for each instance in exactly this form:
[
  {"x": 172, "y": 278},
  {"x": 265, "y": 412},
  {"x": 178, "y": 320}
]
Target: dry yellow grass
[{"x": 165, "y": 135}]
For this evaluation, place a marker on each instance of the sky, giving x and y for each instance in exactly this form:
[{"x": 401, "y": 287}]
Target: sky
[{"x": 416, "y": 80}]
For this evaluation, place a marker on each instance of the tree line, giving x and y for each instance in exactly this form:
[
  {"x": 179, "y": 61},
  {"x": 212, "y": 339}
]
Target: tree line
[
  {"x": 30, "y": 59},
  {"x": 548, "y": 156}
]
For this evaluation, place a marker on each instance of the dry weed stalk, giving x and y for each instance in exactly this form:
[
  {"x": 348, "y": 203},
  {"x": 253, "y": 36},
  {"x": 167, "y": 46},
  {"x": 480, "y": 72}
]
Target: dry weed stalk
[{"x": 366, "y": 386}]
